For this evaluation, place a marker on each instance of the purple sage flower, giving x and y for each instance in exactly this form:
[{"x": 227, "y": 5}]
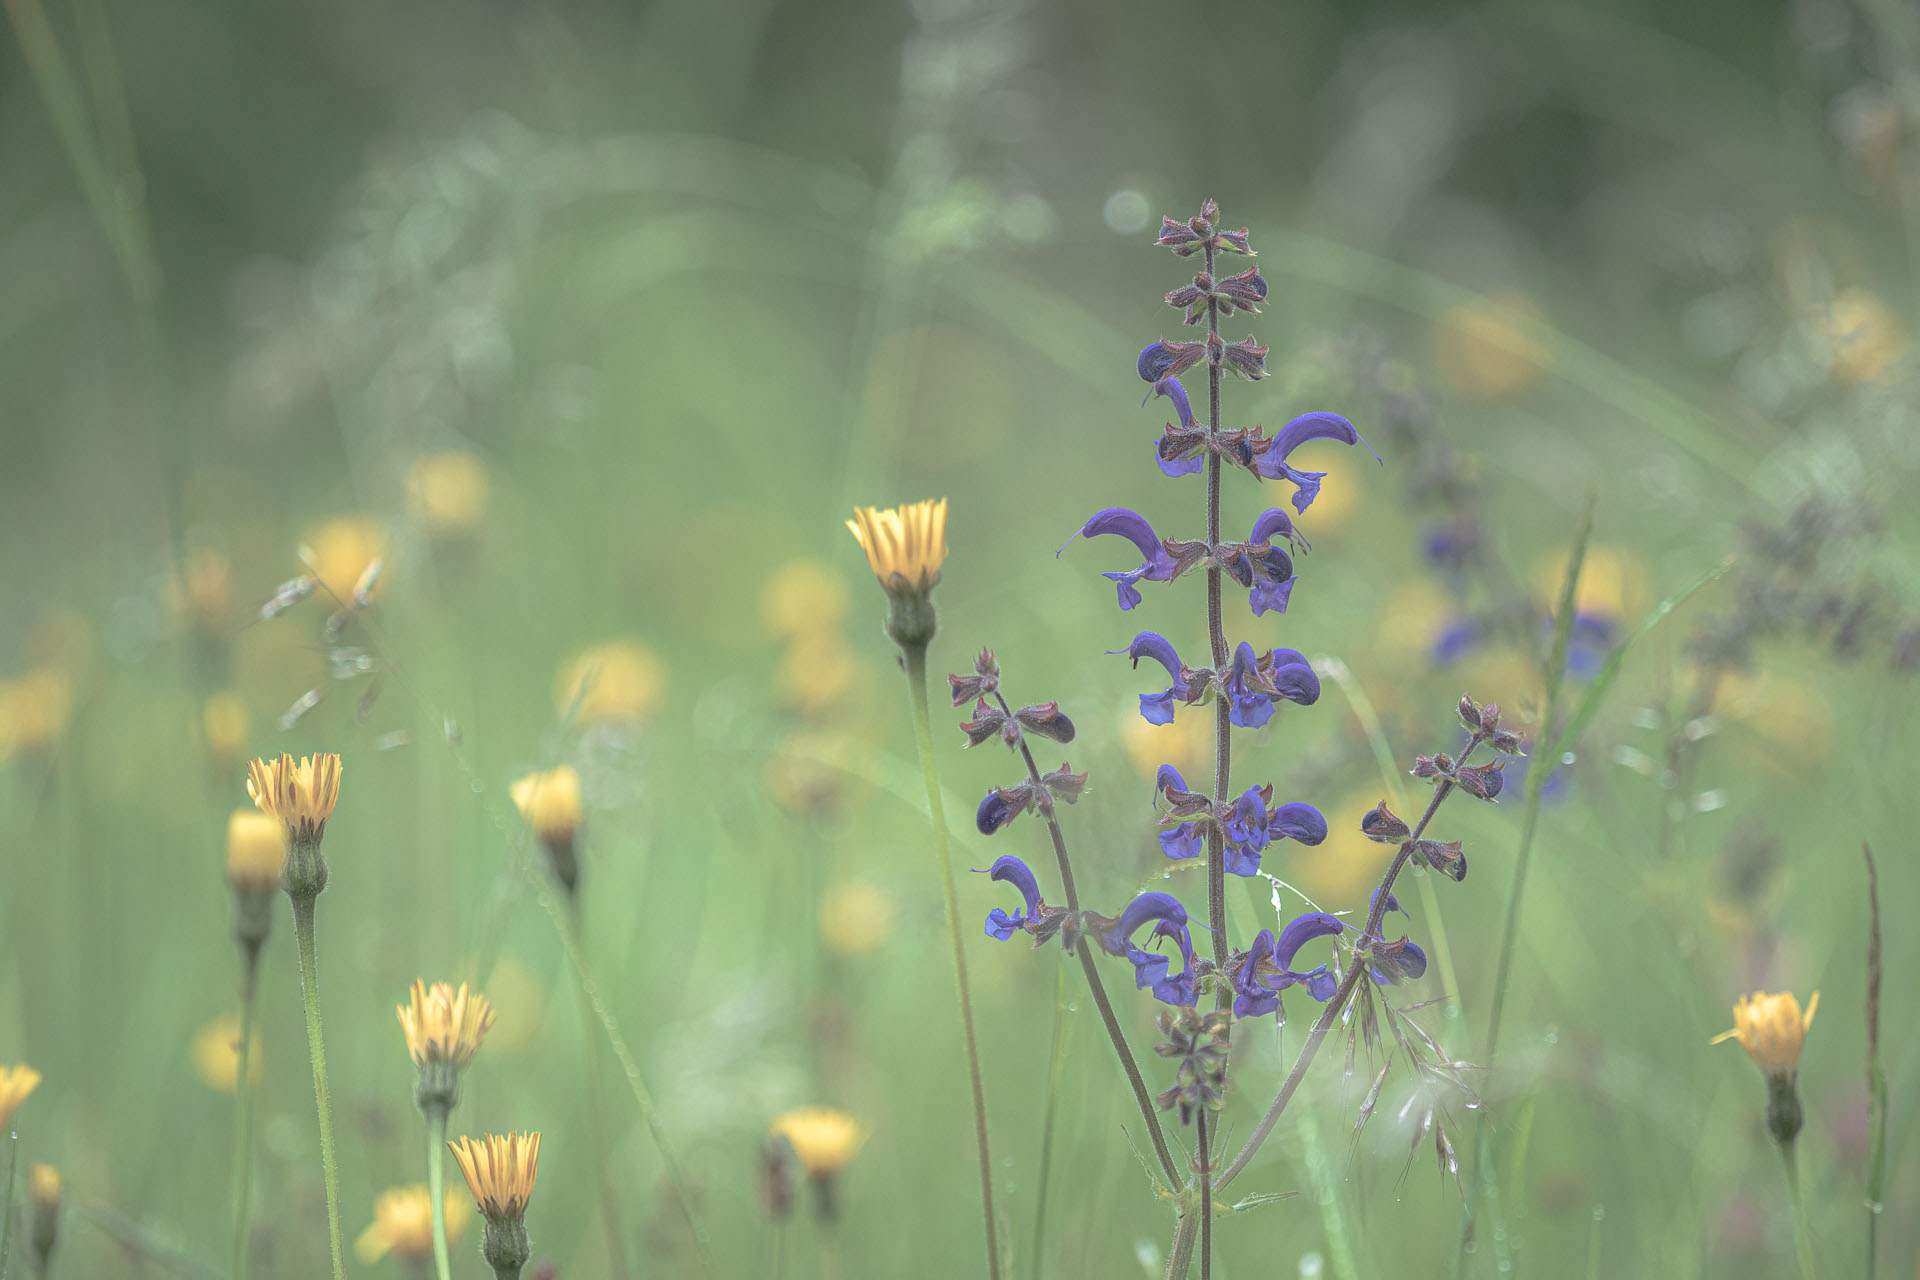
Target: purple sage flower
[
  {"x": 1158, "y": 565},
  {"x": 1150, "y": 968},
  {"x": 1016, "y": 873},
  {"x": 1267, "y": 968},
  {"x": 1183, "y": 840},
  {"x": 1157, "y": 708},
  {"x": 1271, "y": 461}
]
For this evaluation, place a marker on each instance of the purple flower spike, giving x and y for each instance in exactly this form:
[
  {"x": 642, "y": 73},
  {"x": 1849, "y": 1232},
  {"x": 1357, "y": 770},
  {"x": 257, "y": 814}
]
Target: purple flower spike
[
  {"x": 1293, "y": 677},
  {"x": 1163, "y": 907},
  {"x": 1016, "y": 873},
  {"x": 1131, "y": 525},
  {"x": 1251, "y": 705},
  {"x": 1150, "y": 968},
  {"x": 1272, "y": 461},
  {"x": 1297, "y": 821},
  {"x": 1267, "y": 968}
]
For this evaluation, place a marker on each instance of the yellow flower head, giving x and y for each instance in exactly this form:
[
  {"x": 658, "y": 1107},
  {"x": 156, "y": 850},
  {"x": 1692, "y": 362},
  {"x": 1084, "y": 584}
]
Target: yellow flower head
[
  {"x": 444, "y": 1025},
  {"x": 16, "y": 1083},
  {"x": 346, "y": 557},
  {"x": 216, "y": 1054},
  {"x": 500, "y": 1169},
  {"x": 1772, "y": 1030},
  {"x": 34, "y": 711},
  {"x": 224, "y": 727},
  {"x": 803, "y": 596},
  {"x": 403, "y": 1225},
  {"x": 256, "y": 851},
  {"x": 610, "y": 682},
  {"x": 1866, "y": 338},
  {"x": 906, "y": 545},
  {"x": 203, "y": 590},
  {"x": 855, "y": 917},
  {"x": 550, "y": 802},
  {"x": 448, "y": 493},
  {"x": 823, "y": 1139},
  {"x": 300, "y": 795},
  {"x": 1493, "y": 346},
  {"x": 44, "y": 1187}
]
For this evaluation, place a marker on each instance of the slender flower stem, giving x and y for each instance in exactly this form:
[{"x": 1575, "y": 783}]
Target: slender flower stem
[
  {"x": 596, "y": 1083},
  {"x": 243, "y": 1117},
  {"x": 1056, "y": 1060},
  {"x": 12, "y": 1140},
  {"x": 1802, "y": 1238},
  {"x": 1340, "y": 996},
  {"x": 1217, "y": 638},
  {"x": 916, "y": 664},
  {"x": 437, "y": 1188},
  {"x": 1186, "y": 1233},
  {"x": 303, "y": 933},
  {"x": 1148, "y": 1111},
  {"x": 1206, "y": 1199}
]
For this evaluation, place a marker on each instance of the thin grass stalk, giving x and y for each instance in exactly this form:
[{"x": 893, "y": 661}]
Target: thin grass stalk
[
  {"x": 437, "y": 1188},
  {"x": 915, "y": 656},
  {"x": 141, "y": 1241},
  {"x": 1876, "y": 1073},
  {"x": 303, "y": 932},
  {"x": 597, "y": 1117},
  {"x": 1802, "y": 1237},
  {"x": 243, "y": 1120},
  {"x": 1148, "y": 1112},
  {"x": 1340, "y": 996},
  {"x": 6, "y": 1201},
  {"x": 1049, "y": 1115}
]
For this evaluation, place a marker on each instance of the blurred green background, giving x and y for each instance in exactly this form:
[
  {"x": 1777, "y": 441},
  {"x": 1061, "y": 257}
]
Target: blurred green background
[{"x": 591, "y": 322}]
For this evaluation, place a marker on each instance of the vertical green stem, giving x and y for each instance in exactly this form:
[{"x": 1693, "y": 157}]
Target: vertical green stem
[
  {"x": 243, "y": 1117},
  {"x": 1056, "y": 1060},
  {"x": 602, "y": 1132},
  {"x": 303, "y": 933},
  {"x": 437, "y": 1187},
  {"x": 1180, "y": 1257},
  {"x": 12, "y": 1140},
  {"x": 1206, "y": 1198},
  {"x": 1802, "y": 1239},
  {"x": 916, "y": 664},
  {"x": 1217, "y": 640}
]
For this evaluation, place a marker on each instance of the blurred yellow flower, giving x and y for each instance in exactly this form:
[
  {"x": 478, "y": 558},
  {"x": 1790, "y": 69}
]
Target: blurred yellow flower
[
  {"x": 550, "y": 802},
  {"x": 816, "y": 670},
  {"x": 224, "y": 725},
  {"x": 1489, "y": 347},
  {"x": 1784, "y": 726},
  {"x": 443, "y": 1025},
  {"x": 347, "y": 557},
  {"x": 44, "y": 1187},
  {"x": 1340, "y": 493},
  {"x": 1771, "y": 1029},
  {"x": 905, "y": 545},
  {"x": 203, "y": 590},
  {"x": 520, "y": 1003},
  {"x": 403, "y": 1225},
  {"x": 823, "y": 1139},
  {"x": 301, "y": 796},
  {"x": 802, "y": 778},
  {"x": 803, "y": 597},
  {"x": 448, "y": 493},
  {"x": 1865, "y": 339},
  {"x": 855, "y": 917},
  {"x": 610, "y": 682},
  {"x": 1187, "y": 744},
  {"x": 1612, "y": 582},
  {"x": 216, "y": 1053},
  {"x": 500, "y": 1170},
  {"x": 256, "y": 851},
  {"x": 34, "y": 712},
  {"x": 16, "y": 1082},
  {"x": 1337, "y": 872}
]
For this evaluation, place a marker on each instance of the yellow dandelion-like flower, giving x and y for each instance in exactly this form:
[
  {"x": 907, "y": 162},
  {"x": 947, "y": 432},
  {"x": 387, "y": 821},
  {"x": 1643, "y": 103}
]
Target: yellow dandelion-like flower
[
  {"x": 300, "y": 795},
  {"x": 203, "y": 589},
  {"x": 448, "y": 493},
  {"x": 16, "y": 1082},
  {"x": 44, "y": 1186},
  {"x": 621, "y": 681},
  {"x": 347, "y": 556},
  {"x": 224, "y": 725},
  {"x": 443, "y": 1025},
  {"x": 803, "y": 596},
  {"x": 1337, "y": 871},
  {"x": 1865, "y": 338},
  {"x": 34, "y": 712},
  {"x": 403, "y": 1225},
  {"x": 1612, "y": 583},
  {"x": 550, "y": 802},
  {"x": 1772, "y": 1029},
  {"x": 216, "y": 1054},
  {"x": 1186, "y": 744},
  {"x": 816, "y": 671},
  {"x": 256, "y": 851},
  {"x": 823, "y": 1139},
  {"x": 1492, "y": 346},
  {"x": 500, "y": 1171},
  {"x": 905, "y": 545},
  {"x": 855, "y": 918}
]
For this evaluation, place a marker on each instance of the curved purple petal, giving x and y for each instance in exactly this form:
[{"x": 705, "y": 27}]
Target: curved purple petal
[
  {"x": 1168, "y": 779},
  {"x": 993, "y": 814},
  {"x": 1293, "y": 677},
  {"x": 1319, "y": 425},
  {"x": 1155, "y": 906},
  {"x": 1013, "y": 871},
  {"x": 1172, "y": 390},
  {"x": 1297, "y": 821},
  {"x": 1301, "y": 930},
  {"x": 1274, "y": 520},
  {"x": 1151, "y": 644},
  {"x": 1182, "y": 841}
]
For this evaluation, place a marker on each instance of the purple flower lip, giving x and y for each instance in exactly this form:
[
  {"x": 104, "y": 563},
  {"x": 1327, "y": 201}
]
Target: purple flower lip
[
  {"x": 1013, "y": 871},
  {"x": 1157, "y": 565},
  {"x": 1161, "y": 907}
]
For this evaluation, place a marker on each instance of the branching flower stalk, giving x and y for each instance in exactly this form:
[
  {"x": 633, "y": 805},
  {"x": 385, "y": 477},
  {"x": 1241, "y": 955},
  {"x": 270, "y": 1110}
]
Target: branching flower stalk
[
  {"x": 302, "y": 797},
  {"x": 905, "y": 547}
]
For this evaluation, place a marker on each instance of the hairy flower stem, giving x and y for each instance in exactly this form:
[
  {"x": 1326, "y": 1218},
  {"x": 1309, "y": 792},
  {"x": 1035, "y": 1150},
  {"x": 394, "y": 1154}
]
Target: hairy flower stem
[
  {"x": 915, "y": 656},
  {"x": 12, "y": 1140},
  {"x": 437, "y": 1188},
  {"x": 1186, "y": 1233},
  {"x": 596, "y": 1083},
  {"x": 1120, "y": 1047},
  {"x": 303, "y": 933},
  {"x": 243, "y": 1116},
  {"x": 1217, "y": 637},
  {"x": 1206, "y": 1198},
  {"x": 1351, "y": 980},
  {"x": 1802, "y": 1238}
]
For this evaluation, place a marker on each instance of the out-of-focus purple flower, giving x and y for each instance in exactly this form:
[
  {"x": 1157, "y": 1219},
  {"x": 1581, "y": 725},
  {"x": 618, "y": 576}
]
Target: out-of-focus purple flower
[
  {"x": 1456, "y": 640},
  {"x": 1267, "y": 968},
  {"x": 1588, "y": 645},
  {"x": 1016, "y": 873},
  {"x": 1157, "y": 566},
  {"x": 1270, "y": 455},
  {"x": 1150, "y": 968}
]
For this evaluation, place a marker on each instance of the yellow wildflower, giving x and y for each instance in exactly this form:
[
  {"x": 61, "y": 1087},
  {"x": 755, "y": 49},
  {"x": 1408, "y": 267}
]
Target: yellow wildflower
[
  {"x": 216, "y": 1053},
  {"x": 224, "y": 725},
  {"x": 448, "y": 493},
  {"x": 823, "y": 1139},
  {"x": 1865, "y": 338},
  {"x": 256, "y": 851},
  {"x": 803, "y": 596},
  {"x": 44, "y": 1185},
  {"x": 403, "y": 1225},
  {"x": 855, "y": 917},
  {"x": 905, "y": 545},
  {"x": 301, "y": 796},
  {"x": 34, "y": 711},
  {"x": 1493, "y": 346},
  {"x": 16, "y": 1082},
  {"x": 610, "y": 682},
  {"x": 500, "y": 1171},
  {"x": 550, "y": 802},
  {"x": 443, "y": 1025},
  {"x": 347, "y": 557},
  {"x": 1771, "y": 1028}
]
